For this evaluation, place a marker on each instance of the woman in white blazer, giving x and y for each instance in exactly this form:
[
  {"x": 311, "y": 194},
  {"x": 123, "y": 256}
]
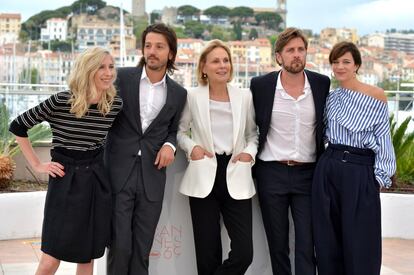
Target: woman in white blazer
[{"x": 218, "y": 133}]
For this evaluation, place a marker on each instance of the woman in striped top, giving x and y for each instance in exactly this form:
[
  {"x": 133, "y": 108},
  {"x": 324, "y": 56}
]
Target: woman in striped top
[
  {"x": 358, "y": 162},
  {"x": 76, "y": 225}
]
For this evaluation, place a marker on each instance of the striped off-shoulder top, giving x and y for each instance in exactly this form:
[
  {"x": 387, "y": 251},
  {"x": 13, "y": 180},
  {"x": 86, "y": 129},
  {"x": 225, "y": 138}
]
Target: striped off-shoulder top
[{"x": 355, "y": 119}]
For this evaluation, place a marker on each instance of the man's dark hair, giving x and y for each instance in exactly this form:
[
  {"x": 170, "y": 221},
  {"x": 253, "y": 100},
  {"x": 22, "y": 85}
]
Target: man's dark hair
[{"x": 171, "y": 38}]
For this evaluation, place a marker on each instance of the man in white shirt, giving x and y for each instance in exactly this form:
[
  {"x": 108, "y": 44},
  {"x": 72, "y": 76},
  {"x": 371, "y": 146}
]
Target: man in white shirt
[
  {"x": 140, "y": 145},
  {"x": 289, "y": 108}
]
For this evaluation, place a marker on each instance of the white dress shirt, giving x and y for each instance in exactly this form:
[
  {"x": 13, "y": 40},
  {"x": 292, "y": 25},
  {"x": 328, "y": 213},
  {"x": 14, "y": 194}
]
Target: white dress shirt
[
  {"x": 152, "y": 97},
  {"x": 291, "y": 133},
  {"x": 221, "y": 119}
]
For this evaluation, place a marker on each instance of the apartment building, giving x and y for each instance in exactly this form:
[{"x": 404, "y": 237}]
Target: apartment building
[{"x": 56, "y": 29}]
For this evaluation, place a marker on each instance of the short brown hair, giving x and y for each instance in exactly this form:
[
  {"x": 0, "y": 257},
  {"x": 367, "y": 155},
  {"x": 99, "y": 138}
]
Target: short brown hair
[
  {"x": 171, "y": 38},
  {"x": 341, "y": 48},
  {"x": 216, "y": 43},
  {"x": 287, "y": 35}
]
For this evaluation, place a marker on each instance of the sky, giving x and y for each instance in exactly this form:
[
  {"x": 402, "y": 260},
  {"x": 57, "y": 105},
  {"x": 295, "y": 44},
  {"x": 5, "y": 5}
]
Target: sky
[{"x": 367, "y": 16}]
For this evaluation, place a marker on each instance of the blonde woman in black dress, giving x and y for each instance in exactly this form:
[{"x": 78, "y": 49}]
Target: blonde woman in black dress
[{"x": 76, "y": 225}]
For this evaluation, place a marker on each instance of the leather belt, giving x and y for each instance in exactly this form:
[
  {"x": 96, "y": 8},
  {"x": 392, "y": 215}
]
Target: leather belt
[{"x": 293, "y": 162}]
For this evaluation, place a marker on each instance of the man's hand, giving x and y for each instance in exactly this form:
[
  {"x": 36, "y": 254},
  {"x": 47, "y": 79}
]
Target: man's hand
[
  {"x": 243, "y": 157},
  {"x": 165, "y": 157},
  {"x": 199, "y": 152}
]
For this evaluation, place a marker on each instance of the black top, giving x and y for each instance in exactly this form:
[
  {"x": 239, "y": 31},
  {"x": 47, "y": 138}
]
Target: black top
[{"x": 86, "y": 133}]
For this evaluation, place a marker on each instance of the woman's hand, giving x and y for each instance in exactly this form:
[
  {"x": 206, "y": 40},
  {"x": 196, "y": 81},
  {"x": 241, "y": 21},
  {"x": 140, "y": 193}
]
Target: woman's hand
[
  {"x": 243, "y": 157},
  {"x": 199, "y": 152},
  {"x": 52, "y": 168}
]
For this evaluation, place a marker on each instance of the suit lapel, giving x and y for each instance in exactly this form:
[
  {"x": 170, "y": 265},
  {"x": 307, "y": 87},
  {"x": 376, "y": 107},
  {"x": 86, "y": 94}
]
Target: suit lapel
[
  {"x": 236, "y": 107},
  {"x": 269, "y": 98},
  {"x": 132, "y": 97},
  {"x": 317, "y": 99}
]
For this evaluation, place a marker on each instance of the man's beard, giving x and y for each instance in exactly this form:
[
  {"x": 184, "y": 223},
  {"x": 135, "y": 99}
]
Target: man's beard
[
  {"x": 295, "y": 67},
  {"x": 157, "y": 66}
]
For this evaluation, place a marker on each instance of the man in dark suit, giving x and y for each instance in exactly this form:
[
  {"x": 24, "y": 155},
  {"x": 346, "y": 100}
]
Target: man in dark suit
[
  {"x": 289, "y": 108},
  {"x": 140, "y": 145}
]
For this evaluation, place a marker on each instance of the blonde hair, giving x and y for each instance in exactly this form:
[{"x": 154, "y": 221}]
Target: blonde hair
[
  {"x": 82, "y": 83},
  {"x": 202, "y": 79}
]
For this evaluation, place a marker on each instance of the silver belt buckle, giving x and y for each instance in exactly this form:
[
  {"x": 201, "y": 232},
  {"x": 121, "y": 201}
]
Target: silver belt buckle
[{"x": 343, "y": 156}]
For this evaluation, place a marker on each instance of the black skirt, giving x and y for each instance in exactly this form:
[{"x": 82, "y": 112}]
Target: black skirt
[{"x": 78, "y": 208}]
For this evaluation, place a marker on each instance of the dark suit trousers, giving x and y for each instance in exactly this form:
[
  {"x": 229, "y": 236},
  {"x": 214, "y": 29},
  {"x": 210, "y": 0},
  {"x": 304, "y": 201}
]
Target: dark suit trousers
[
  {"x": 279, "y": 187},
  {"x": 237, "y": 217},
  {"x": 347, "y": 213},
  {"x": 135, "y": 219}
]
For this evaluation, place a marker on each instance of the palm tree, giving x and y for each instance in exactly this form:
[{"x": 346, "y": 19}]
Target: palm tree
[
  {"x": 404, "y": 150},
  {"x": 9, "y": 147}
]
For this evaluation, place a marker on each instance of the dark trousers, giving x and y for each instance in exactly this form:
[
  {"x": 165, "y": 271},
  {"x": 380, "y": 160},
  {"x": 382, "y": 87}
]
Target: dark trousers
[
  {"x": 135, "y": 219},
  {"x": 279, "y": 187},
  {"x": 347, "y": 213},
  {"x": 237, "y": 217}
]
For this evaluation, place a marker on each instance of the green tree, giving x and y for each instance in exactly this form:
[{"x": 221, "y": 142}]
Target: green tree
[
  {"x": 154, "y": 17},
  {"x": 90, "y": 6},
  {"x": 58, "y": 46},
  {"x": 217, "y": 11},
  {"x": 271, "y": 20},
  {"x": 217, "y": 33},
  {"x": 241, "y": 12},
  {"x": 33, "y": 74},
  {"x": 179, "y": 31},
  {"x": 388, "y": 85},
  {"x": 403, "y": 143},
  {"x": 194, "y": 29},
  {"x": 188, "y": 10},
  {"x": 272, "y": 40},
  {"x": 140, "y": 24},
  {"x": 253, "y": 34},
  {"x": 237, "y": 29}
]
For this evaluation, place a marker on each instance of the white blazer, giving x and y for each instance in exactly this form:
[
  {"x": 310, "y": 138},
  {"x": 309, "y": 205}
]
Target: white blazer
[{"x": 195, "y": 129}]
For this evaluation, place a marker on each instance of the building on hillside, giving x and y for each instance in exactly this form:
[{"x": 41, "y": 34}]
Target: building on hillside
[
  {"x": 56, "y": 29},
  {"x": 169, "y": 15},
  {"x": 400, "y": 42},
  {"x": 93, "y": 31},
  {"x": 331, "y": 36},
  {"x": 190, "y": 43},
  {"x": 9, "y": 27},
  {"x": 373, "y": 40}
]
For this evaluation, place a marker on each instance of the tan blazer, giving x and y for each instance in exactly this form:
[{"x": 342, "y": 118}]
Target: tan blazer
[{"x": 195, "y": 129}]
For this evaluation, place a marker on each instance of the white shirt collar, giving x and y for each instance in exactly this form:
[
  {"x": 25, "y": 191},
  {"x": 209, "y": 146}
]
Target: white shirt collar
[
  {"x": 279, "y": 85},
  {"x": 145, "y": 76}
]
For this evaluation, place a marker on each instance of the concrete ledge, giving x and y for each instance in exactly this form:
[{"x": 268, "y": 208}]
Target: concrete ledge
[
  {"x": 21, "y": 214},
  {"x": 397, "y": 215}
]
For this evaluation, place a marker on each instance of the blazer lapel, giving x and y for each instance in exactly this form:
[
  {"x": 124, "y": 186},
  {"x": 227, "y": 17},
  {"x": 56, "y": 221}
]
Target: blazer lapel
[
  {"x": 203, "y": 103},
  {"x": 236, "y": 105}
]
